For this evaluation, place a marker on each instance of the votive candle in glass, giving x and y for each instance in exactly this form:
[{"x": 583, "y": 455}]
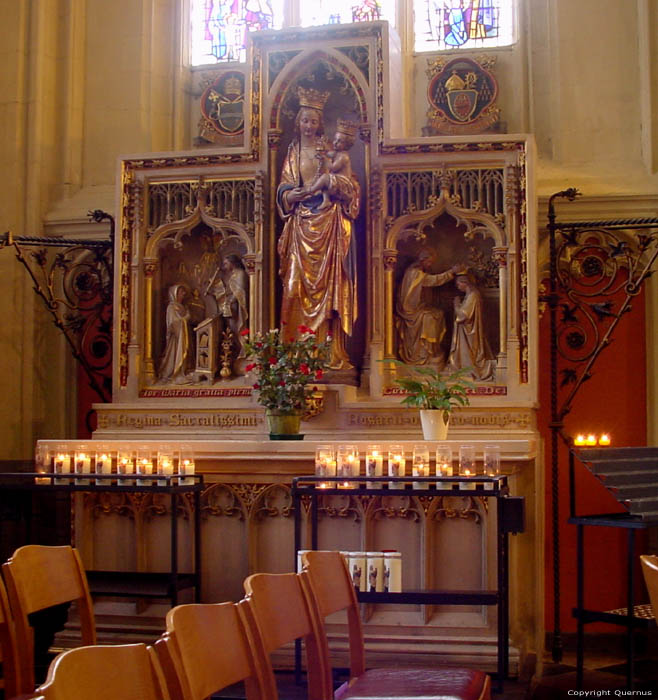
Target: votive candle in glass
[
  {"x": 374, "y": 464},
  {"x": 186, "y": 467},
  {"x": 325, "y": 462},
  {"x": 420, "y": 465},
  {"x": 347, "y": 464},
  {"x": 444, "y": 460},
  {"x": 144, "y": 466},
  {"x": 396, "y": 465},
  {"x": 125, "y": 465},
  {"x": 103, "y": 464},
  {"x": 62, "y": 463},
  {"x": 82, "y": 463},
  {"x": 42, "y": 464},
  {"x": 165, "y": 464},
  {"x": 467, "y": 466},
  {"x": 491, "y": 463}
]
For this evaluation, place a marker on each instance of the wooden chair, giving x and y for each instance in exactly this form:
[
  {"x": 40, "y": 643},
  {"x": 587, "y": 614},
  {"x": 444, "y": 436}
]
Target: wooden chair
[
  {"x": 650, "y": 571},
  {"x": 278, "y": 612},
  {"x": 328, "y": 586},
  {"x": 126, "y": 671},
  {"x": 40, "y": 577},
  {"x": 8, "y": 650},
  {"x": 208, "y": 647}
]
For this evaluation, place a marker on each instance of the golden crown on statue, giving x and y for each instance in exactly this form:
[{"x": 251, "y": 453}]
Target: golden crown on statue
[
  {"x": 308, "y": 97},
  {"x": 345, "y": 126}
]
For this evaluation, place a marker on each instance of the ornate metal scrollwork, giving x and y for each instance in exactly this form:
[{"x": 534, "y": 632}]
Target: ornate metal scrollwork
[
  {"x": 74, "y": 277},
  {"x": 596, "y": 270},
  {"x": 600, "y": 268}
]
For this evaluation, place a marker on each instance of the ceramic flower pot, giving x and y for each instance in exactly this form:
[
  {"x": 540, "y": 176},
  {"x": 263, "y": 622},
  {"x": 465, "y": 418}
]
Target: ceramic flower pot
[
  {"x": 284, "y": 426},
  {"x": 434, "y": 425}
]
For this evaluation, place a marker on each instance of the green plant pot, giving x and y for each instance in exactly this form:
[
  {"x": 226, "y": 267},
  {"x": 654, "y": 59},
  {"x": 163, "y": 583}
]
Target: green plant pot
[{"x": 284, "y": 426}]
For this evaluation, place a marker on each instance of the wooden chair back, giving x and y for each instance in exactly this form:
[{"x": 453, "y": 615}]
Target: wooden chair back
[
  {"x": 328, "y": 584},
  {"x": 9, "y": 655},
  {"x": 126, "y": 671},
  {"x": 209, "y": 648},
  {"x": 171, "y": 670},
  {"x": 279, "y": 613},
  {"x": 39, "y": 577},
  {"x": 650, "y": 571}
]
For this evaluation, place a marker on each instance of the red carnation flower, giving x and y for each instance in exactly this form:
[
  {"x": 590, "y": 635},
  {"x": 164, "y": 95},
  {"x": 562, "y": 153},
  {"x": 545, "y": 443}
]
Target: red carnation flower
[
  {"x": 304, "y": 368},
  {"x": 272, "y": 360},
  {"x": 318, "y": 374},
  {"x": 244, "y": 331},
  {"x": 249, "y": 367},
  {"x": 256, "y": 385},
  {"x": 282, "y": 383}
]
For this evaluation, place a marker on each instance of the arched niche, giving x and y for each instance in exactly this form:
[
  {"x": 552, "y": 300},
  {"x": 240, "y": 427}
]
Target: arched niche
[
  {"x": 329, "y": 71},
  {"x": 190, "y": 252},
  {"x": 451, "y": 235}
]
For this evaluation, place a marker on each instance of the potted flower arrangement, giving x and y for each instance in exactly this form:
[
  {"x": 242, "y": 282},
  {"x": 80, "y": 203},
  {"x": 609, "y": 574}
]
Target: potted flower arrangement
[
  {"x": 436, "y": 395},
  {"x": 284, "y": 370}
]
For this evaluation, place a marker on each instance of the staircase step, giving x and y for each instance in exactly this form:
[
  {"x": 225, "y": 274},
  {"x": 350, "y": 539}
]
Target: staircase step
[{"x": 629, "y": 477}]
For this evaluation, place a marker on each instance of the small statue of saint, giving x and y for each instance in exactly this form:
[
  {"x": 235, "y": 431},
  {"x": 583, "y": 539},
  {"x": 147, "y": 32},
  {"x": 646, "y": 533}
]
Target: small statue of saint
[
  {"x": 173, "y": 365},
  {"x": 420, "y": 325},
  {"x": 470, "y": 347}
]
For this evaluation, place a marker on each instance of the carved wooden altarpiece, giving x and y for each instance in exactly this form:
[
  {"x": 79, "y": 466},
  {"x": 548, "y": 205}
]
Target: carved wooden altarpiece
[{"x": 464, "y": 202}]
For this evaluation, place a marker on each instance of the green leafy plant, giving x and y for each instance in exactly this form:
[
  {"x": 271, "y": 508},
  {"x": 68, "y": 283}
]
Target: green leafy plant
[
  {"x": 285, "y": 368},
  {"x": 427, "y": 388}
]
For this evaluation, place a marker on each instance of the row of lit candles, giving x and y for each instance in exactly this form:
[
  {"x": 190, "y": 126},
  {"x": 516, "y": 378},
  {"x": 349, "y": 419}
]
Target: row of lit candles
[
  {"x": 140, "y": 463},
  {"x": 591, "y": 440},
  {"x": 343, "y": 462}
]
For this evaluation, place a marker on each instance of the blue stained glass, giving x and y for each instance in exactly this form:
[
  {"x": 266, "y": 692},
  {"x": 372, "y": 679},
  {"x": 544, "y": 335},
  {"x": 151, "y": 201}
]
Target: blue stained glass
[
  {"x": 468, "y": 24},
  {"x": 455, "y": 28},
  {"x": 220, "y": 27}
]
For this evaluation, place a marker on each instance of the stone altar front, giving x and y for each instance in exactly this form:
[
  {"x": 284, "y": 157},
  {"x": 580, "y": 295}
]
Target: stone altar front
[{"x": 247, "y": 526}]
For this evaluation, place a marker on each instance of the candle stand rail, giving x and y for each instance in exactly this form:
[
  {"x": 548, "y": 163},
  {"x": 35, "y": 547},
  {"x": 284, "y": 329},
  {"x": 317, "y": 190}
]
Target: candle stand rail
[
  {"x": 509, "y": 519},
  {"x": 134, "y": 584}
]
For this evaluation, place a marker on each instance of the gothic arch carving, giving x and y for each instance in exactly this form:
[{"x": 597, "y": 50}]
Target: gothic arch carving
[
  {"x": 298, "y": 66},
  {"x": 475, "y": 222}
]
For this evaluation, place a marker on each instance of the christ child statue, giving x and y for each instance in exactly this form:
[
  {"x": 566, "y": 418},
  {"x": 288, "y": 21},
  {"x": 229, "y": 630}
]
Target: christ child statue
[{"x": 339, "y": 163}]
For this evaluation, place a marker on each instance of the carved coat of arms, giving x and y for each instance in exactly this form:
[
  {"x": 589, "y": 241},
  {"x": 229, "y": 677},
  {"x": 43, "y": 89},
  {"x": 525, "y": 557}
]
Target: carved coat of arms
[
  {"x": 462, "y": 94},
  {"x": 222, "y": 110}
]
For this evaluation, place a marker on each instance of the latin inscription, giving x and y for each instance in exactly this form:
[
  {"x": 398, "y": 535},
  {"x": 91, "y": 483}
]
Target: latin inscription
[{"x": 179, "y": 420}]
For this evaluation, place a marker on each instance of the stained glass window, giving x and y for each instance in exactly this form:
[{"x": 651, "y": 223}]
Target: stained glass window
[
  {"x": 219, "y": 27},
  {"x": 469, "y": 24},
  {"x": 344, "y": 11}
]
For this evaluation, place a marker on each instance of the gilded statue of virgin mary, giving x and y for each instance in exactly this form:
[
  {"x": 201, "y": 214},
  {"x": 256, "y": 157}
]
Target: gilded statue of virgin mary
[{"x": 317, "y": 246}]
